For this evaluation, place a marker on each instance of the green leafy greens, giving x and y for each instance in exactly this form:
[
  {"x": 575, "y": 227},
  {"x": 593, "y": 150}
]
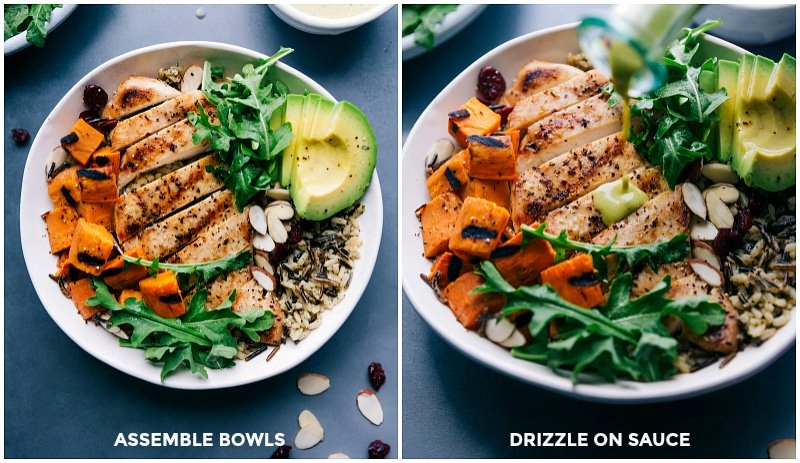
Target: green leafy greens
[
  {"x": 623, "y": 337},
  {"x": 421, "y": 21},
  {"x": 676, "y": 118},
  {"x": 29, "y": 18},
  {"x": 198, "y": 339},
  {"x": 250, "y": 135},
  {"x": 205, "y": 271}
]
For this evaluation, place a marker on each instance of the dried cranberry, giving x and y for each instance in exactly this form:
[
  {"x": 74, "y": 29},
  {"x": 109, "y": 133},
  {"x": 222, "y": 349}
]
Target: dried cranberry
[
  {"x": 727, "y": 239},
  {"x": 279, "y": 253},
  {"x": 20, "y": 136},
  {"x": 94, "y": 97},
  {"x": 378, "y": 449},
  {"x": 491, "y": 85},
  {"x": 503, "y": 111},
  {"x": 743, "y": 219},
  {"x": 106, "y": 125},
  {"x": 296, "y": 233},
  {"x": 90, "y": 115},
  {"x": 376, "y": 375},
  {"x": 282, "y": 451}
]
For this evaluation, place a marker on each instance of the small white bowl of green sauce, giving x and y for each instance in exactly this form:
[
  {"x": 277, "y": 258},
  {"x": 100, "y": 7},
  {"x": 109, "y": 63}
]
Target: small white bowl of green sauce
[{"x": 328, "y": 18}]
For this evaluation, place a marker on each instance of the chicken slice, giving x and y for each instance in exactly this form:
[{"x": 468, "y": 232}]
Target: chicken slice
[
  {"x": 647, "y": 278},
  {"x": 538, "y": 76},
  {"x": 136, "y": 93},
  {"x": 219, "y": 240},
  {"x": 722, "y": 339},
  {"x": 253, "y": 296},
  {"x": 164, "y": 238},
  {"x": 581, "y": 220},
  {"x": 536, "y": 107},
  {"x": 129, "y": 131},
  {"x": 164, "y": 147},
  {"x": 138, "y": 208},
  {"x": 541, "y": 189},
  {"x": 568, "y": 129}
]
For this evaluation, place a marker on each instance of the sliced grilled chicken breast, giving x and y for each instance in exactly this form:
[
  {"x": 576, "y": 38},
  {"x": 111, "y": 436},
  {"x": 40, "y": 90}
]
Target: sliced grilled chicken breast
[
  {"x": 723, "y": 338},
  {"x": 220, "y": 288},
  {"x": 581, "y": 220},
  {"x": 538, "y": 76},
  {"x": 647, "y": 278},
  {"x": 568, "y": 129},
  {"x": 541, "y": 189},
  {"x": 253, "y": 296},
  {"x": 164, "y": 147},
  {"x": 536, "y": 107},
  {"x": 129, "y": 131},
  {"x": 164, "y": 238},
  {"x": 659, "y": 219},
  {"x": 136, "y": 93},
  {"x": 217, "y": 241},
  {"x": 138, "y": 208}
]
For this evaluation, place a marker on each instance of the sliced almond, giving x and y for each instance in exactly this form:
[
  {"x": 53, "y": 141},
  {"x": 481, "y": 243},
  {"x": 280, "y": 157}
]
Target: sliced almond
[
  {"x": 306, "y": 418},
  {"x": 703, "y": 251},
  {"x": 338, "y": 455},
  {"x": 192, "y": 79},
  {"x": 258, "y": 219},
  {"x": 705, "y": 271},
  {"x": 281, "y": 210},
  {"x": 56, "y": 162},
  {"x": 718, "y": 212},
  {"x": 702, "y": 230},
  {"x": 517, "y": 339},
  {"x": 728, "y": 193},
  {"x": 313, "y": 383},
  {"x": 279, "y": 193},
  {"x": 782, "y": 448},
  {"x": 498, "y": 329},
  {"x": 719, "y": 173},
  {"x": 276, "y": 229},
  {"x": 262, "y": 260},
  {"x": 309, "y": 436},
  {"x": 263, "y": 243},
  {"x": 264, "y": 279},
  {"x": 369, "y": 406},
  {"x": 438, "y": 154},
  {"x": 694, "y": 199}
]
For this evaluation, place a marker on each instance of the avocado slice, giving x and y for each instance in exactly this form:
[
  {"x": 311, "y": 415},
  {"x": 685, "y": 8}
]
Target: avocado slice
[
  {"x": 334, "y": 160},
  {"x": 765, "y": 145},
  {"x": 726, "y": 78},
  {"x": 708, "y": 82},
  {"x": 292, "y": 115}
]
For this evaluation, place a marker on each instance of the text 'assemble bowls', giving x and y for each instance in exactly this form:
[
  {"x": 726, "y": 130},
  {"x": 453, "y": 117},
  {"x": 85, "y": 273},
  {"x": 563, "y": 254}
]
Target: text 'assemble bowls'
[
  {"x": 34, "y": 201},
  {"x": 549, "y": 45}
]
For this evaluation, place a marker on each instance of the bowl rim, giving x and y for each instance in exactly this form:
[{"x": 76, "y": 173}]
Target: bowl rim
[
  {"x": 347, "y": 22},
  {"x": 466, "y": 342},
  {"x": 452, "y": 24},
  {"x": 317, "y": 339},
  {"x": 19, "y": 41}
]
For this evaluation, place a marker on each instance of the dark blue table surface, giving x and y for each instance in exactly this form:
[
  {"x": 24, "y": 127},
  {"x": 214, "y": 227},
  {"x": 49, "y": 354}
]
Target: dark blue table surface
[
  {"x": 456, "y": 408},
  {"x": 60, "y": 401}
]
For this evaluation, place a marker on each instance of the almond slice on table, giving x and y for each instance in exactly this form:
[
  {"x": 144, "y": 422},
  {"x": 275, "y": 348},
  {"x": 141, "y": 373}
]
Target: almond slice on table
[
  {"x": 703, "y": 251},
  {"x": 783, "y": 448},
  {"x": 694, "y": 199},
  {"x": 517, "y": 339},
  {"x": 338, "y": 455},
  {"x": 705, "y": 271},
  {"x": 498, "y": 329},
  {"x": 313, "y": 383},
  {"x": 306, "y": 418},
  {"x": 311, "y": 432},
  {"x": 369, "y": 406}
]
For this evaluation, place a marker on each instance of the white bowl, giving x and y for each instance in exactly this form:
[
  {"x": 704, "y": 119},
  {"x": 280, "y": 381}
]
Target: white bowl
[
  {"x": 452, "y": 24},
  {"x": 20, "y": 42},
  {"x": 96, "y": 341},
  {"x": 752, "y": 24},
  {"x": 551, "y": 45},
  {"x": 326, "y": 26}
]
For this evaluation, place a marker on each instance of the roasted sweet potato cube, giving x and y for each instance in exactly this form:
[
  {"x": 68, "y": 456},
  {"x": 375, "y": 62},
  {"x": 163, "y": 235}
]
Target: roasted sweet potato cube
[
  {"x": 105, "y": 156},
  {"x": 473, "y": 118},
  {"x": 61, "y": 223},
  {"x": 80, "y": 291},
  {"x": 82, "y": 141},
  {"x": 469, "y": 307},
  {"x": 496, "y": 191},
  {"x": 522, "y": 266},
  {"x": 515, "y": 137},
  {"x": 98, "y": 185},
  {"x": 479, "y": 228},
  {"x": 65, "y": 189},
  {"x": 162, "y": 295},
  {"x": 129, "y": 293},
  {"x": 450, "y": 176},
  {"x": 446, "y": 268},
  {"x": 91, "y": 247},
  {"x": 119, "y": 274},
  {"x": 575, "y": 281},
  {"x": 99, "y": 213},
  {"x": 62, "y": 265},
  {"x": 492, "y": 157},
  {"x": 438, "y": 219}
]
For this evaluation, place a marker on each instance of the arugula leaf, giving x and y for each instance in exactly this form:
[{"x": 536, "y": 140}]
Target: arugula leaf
[
  {"x": 421, "y": 20},
  {"x": 246, "y": 142},
  {"x": 29, "y": 18},
  {"x": 205, "y": 271},
  {"x": 653, "y": 254},
  {"x": 199, "y": 339},
  {"x": 623, "y": 337}
]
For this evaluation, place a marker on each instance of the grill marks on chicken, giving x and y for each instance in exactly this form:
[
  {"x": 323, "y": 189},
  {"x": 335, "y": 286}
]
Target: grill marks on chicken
[
  {"x": 135, "y": 94},
  {"x": 538, "y": 76},
  {"x": 129, "y": 131}
]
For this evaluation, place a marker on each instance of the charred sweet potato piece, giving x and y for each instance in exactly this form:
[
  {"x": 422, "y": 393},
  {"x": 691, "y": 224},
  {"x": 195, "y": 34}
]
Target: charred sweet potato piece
[
  {"x": 496, "y": 191},
  {"x": 119, "y": 274},
  {"x": 575, "y": 281},
  {"x": 107, "y": 157},
  {"x": 515, "y": 137},
  {"x": 82, "y": 141},
  {"x": 99, "y": 213},
  {"x": 450, "y": 176},
  {"x": 98, "y": 185},
  {"x": 61, "y": 223},
  {"x": 80, "y": 291},
  {"x": 438, "y": 220},
  {"x": 91, "y": 247},
  {"x": 129, "y": 293},
  {"x": 479, "y": 228},
  {"x": 473, "y": 118},
  {"x": 467, "y": 306},
  {"x": 163, "y": 295},
  {"x": 446, "y": 268},
  {"x": 65, "y": 189},
  {"x": 62, "y": 265},
  {"x": 522, "y": 266},
  {"x": 492, "y": 157}
]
